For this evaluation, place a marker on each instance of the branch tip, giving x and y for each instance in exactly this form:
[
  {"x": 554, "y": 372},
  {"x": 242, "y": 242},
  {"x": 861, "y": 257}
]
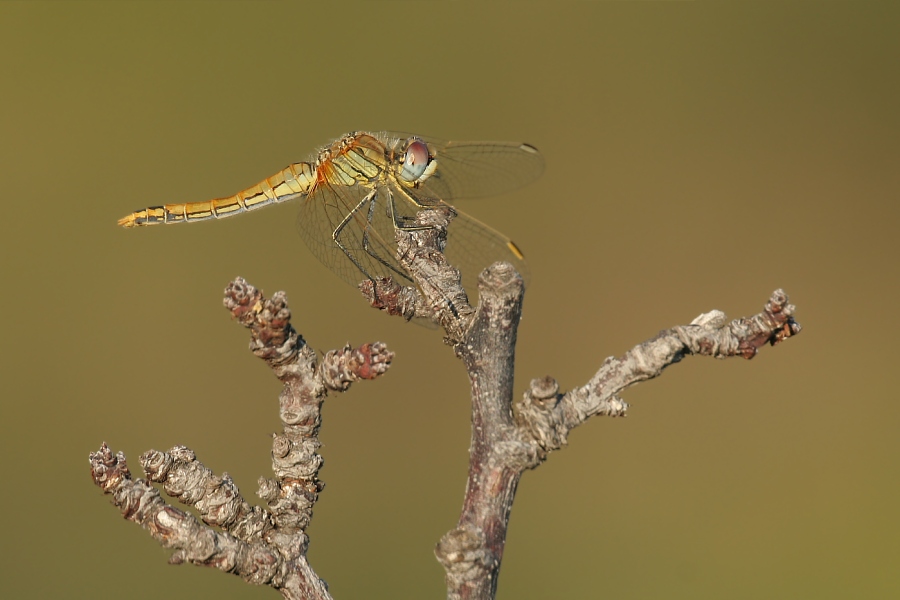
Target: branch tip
[{"x": 269, "y": 321}]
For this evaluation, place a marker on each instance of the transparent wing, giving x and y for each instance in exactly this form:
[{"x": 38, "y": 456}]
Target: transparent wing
[
  {"x": 473, "y": 246},
  {"x": 350, "y": 230},
  {"x": 477, "y": 169}
]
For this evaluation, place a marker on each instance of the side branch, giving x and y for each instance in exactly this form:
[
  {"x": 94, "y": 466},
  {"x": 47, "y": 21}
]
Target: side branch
[
  {"x": 173, "y": 528},
  {"x": 548, "y": 416},
  {"x": 264, "y": 546}
]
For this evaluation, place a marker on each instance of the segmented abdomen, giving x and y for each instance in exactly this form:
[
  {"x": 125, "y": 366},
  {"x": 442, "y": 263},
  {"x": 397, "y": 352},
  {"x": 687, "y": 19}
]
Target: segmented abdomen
[{"x": 296, "y": 180}]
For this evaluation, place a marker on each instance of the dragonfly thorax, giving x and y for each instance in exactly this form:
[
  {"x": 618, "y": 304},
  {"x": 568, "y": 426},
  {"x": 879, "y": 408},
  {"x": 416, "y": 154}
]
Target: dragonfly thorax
[{"x": 355, "y": 158}]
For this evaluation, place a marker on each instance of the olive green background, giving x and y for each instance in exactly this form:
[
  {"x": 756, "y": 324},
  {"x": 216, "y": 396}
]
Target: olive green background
[{"x": 698, "y": 157}]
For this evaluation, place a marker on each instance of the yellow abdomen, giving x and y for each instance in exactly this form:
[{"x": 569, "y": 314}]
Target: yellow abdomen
[{"x": 296, "y": 180}]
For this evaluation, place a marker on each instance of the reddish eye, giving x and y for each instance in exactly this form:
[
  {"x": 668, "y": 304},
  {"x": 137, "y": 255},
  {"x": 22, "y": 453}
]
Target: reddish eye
[{"x": 415, "y": 161}]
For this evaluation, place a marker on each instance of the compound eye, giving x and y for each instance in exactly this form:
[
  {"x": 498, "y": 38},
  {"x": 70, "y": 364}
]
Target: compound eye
[{"x": 415, "y": 161}]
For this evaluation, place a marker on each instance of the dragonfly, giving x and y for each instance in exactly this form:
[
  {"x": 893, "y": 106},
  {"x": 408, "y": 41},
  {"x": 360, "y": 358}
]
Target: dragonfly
[{"x": 365, "y": 186}]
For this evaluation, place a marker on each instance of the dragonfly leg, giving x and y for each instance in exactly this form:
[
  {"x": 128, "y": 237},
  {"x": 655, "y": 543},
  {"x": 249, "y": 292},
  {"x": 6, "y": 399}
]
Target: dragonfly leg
[
  {"x": 366, "y": 246},
  {"x": 366, "y": 241},
  {"x": 400, "y": 225},
  {"x": 401, "y": 222}
]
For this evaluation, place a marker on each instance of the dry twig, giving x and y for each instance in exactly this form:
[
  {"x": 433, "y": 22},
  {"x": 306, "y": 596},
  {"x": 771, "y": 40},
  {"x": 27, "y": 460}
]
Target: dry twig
[
  {"x": 263, "y": 546},
  {"x": 269, "y": 546}
]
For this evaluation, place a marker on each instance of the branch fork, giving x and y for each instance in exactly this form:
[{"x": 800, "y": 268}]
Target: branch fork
[{"x": 508, "y": 437}]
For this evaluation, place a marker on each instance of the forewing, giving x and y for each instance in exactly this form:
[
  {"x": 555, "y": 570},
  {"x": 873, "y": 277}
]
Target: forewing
[{"x": 477, "y": 169}]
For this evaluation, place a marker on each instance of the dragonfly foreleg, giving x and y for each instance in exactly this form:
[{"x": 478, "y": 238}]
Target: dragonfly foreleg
[
  {"x": 401, "y": 221},
  {"x": 368, "y": 228}
]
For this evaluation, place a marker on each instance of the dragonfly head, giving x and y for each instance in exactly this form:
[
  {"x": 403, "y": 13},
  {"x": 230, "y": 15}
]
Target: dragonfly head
[{"x": 417, "y": 163}]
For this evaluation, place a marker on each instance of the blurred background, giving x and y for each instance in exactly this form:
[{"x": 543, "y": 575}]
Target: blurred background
[{"x": 698, "y": 157}]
